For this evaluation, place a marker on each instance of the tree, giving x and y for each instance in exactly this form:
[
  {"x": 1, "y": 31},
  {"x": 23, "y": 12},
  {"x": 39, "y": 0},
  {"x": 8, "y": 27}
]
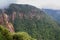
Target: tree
[
  {"x": 5, "y": 33},
  {"x": 22, "y": 36}
]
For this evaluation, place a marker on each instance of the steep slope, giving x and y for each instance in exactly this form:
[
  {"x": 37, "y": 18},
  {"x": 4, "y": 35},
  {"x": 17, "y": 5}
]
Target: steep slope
[
  {"x": 4, "y": 20},
  {"x": 33, "y": 20}
]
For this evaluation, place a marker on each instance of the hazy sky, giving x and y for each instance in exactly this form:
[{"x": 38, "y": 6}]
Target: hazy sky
[
  {"x": 5, "y": 3},
  {"x": 53, "y": 4}
]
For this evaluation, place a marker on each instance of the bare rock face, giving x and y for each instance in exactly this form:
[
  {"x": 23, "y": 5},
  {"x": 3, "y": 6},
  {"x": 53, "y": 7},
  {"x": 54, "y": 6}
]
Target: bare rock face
[
  {"x": 13, "y": 16},
  {"x": 24, "y": 11},
  {"x": 4, "y": 20},
  {"x": 10, "y": 27}
]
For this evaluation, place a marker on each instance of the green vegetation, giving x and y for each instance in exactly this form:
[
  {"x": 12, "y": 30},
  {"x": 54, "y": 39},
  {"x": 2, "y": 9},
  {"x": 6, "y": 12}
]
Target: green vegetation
[
  {"x": 22, "y": 36},
  {"x": 40, "y": 26},
  {"x": 6, "y": 35},
  {"x": 44, "y": 29}
]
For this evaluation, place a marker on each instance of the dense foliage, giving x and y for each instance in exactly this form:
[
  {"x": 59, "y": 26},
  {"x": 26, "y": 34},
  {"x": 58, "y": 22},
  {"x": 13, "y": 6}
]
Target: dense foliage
[
  {"x": 44, "y": 29},
  {"x": 6, "y": 35},
  {"x": 22, "y": 36},
  {"x": 41, "y": 26}
]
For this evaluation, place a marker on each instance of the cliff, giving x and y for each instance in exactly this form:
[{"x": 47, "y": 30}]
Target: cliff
[
  {"x": 33, "y": 20},
  {"x": 4, "y": 20},
  {"x": 30, "y": 19}
]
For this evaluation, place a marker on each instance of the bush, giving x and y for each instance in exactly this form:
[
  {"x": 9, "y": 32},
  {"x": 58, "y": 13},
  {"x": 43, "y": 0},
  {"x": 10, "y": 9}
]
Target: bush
[
  {"x": 22, "y": 36},
  {"x": 6, "y": 35}
]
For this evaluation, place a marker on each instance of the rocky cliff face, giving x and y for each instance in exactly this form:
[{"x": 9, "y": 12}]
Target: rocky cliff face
[
  {"x": 4, "y": 20},
  {"x": 24, "y": 11}
]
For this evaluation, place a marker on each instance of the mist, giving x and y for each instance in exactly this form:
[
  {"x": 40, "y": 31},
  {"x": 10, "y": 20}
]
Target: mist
[
  {"x": 48, "y": 4},
  {"x": 6, "y": 3}
]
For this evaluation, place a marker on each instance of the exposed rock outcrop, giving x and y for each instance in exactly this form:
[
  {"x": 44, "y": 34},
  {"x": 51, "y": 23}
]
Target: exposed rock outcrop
[{"x": 4, "y": 20}]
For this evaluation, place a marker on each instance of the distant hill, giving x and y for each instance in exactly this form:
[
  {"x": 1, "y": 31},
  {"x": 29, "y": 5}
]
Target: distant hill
[{"x": 54, "y": 13}]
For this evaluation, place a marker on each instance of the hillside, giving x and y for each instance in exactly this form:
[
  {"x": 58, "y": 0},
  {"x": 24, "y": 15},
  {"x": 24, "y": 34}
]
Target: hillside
[
  {"x": 33, "y": 20},
  {"x": 27, "y": 18}
]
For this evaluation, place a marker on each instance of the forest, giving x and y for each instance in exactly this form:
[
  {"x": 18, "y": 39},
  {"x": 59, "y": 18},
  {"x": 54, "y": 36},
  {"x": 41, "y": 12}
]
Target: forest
[{"x": 29, "y": 23}]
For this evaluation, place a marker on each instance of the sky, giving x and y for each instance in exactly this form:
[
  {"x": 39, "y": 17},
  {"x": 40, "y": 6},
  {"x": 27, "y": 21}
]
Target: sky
[
  {"x": 49, "y": 4},
  {"x": 5, "y": 3}
]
